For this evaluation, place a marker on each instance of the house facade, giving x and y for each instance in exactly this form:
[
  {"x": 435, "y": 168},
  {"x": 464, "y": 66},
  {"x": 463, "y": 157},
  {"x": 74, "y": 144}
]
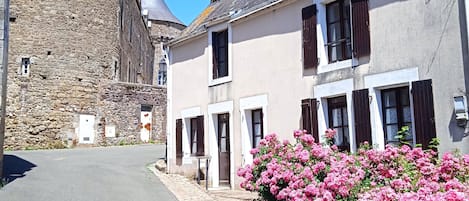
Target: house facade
[
  {"x": 82, "y": 73},
  {"x": 367, "y": 68}
]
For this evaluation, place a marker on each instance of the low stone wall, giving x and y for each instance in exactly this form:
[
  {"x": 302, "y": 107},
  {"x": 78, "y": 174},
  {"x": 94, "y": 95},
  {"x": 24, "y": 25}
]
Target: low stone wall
[{"x": 120, "y": 110}]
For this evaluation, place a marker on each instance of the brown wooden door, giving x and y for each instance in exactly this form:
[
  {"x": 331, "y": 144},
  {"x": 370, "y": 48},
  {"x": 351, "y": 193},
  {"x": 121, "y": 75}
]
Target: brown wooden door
[{"x": 224, "y": 148}]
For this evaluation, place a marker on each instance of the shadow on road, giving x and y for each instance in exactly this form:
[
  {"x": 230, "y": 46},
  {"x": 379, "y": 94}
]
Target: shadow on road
[{"x": 15, "y": 167}]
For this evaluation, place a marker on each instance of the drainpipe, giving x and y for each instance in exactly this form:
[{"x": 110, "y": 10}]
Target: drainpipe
[
  {"x": 4, "y": 73},
  {"x": 464, "y": 29}
]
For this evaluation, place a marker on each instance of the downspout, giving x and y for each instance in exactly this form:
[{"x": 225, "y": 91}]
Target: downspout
[
  {"x": 463, "y": 20},
  {"x": 4, "y": 71},
  {"x": 463, "y": 6}
]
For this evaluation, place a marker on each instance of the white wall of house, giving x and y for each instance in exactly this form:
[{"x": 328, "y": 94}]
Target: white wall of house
[{"x": 266, "y": 72}]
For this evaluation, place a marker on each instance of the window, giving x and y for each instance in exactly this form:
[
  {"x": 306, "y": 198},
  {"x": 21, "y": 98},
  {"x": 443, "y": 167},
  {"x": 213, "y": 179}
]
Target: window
[
  {"x": 193, "y": 135},
  {"x": 224, "y": 132},
  {"x": 162, "y": 73},
  {"x": 338, "y": 120},
  {"x": 339, "y": 45},
  {"x": 25, "y": 66},
  {"x": 396, "y": 113},
  {"x": 220, "y": 54},
  {"x": 257, "y": 127},
  {"x": 343, "y": 19},
  {"x": 197, "y": 136}
]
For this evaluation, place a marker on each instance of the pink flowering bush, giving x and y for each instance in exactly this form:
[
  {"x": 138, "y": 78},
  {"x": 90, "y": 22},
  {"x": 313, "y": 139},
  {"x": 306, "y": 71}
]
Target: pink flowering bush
[{"x": 307, "y": 170}]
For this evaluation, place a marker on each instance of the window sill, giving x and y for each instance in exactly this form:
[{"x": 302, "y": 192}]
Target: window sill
[
  {"x": 349, "y": 63},
  {"x": 218, "y": 81}
]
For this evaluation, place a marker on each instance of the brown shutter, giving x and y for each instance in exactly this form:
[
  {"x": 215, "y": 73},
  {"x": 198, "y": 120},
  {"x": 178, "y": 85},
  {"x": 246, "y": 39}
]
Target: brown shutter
[
  {"x": 309, "y": 115},
  {"x": 361, "y": 109},
  {"x": 360, "y": 28},
  {"x": 179, "y": 142},
  {"x": 310, "y": 53},
  {"x": 200, "y": 136},
  {"x": 424, "y": 114}
]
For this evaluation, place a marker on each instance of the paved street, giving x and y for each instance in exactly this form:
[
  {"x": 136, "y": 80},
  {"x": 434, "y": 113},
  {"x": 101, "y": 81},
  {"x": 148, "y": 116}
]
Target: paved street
[{"x": 95, "y": 174}]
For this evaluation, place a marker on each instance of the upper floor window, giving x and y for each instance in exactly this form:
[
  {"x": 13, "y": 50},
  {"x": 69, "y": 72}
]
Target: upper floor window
[
  {"x": 396, "y": 113},
  {"x": 339, "y": 43},
  {"x": 220, "y": 54},
  {"x": 347, "y": 32}
]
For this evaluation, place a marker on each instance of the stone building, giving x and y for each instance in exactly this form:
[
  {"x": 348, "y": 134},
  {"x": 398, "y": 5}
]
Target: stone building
[
  {"x": 4, "y": 57},
  {"x": 81, "y": 73}
]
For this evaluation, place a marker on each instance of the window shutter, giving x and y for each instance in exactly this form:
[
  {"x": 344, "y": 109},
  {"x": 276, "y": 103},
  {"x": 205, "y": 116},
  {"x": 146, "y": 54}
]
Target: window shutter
[
  {"x": 309, "y": 115},
  {"x": 360, "y": 28},
  {"x": 310, "y": 53},
  {"x": 424, "y": 114},
  {"x": 179, "y": 142},
  {"x": 200, "y": 136},
  {"x": 361, "y": 109}
]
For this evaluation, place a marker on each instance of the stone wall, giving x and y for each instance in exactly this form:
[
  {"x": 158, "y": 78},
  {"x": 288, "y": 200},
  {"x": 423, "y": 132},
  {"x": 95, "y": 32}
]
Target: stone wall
[
  {"x": 72, "y": 49},
  {"x": 74, "y": 53},
  {"x": 3, "y": 48},
  {"x": 136, "y": 50},
  {"x": 121, "y": 107}
]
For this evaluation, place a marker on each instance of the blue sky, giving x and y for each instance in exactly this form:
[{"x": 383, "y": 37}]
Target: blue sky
[{"x": 187, "y": 10}]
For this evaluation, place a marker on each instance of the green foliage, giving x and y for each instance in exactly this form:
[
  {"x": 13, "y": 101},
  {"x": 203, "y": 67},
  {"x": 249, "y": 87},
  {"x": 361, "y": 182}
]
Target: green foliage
[
  {"x": 402, "y": 136},
  {"x": 434, "y": 143}
]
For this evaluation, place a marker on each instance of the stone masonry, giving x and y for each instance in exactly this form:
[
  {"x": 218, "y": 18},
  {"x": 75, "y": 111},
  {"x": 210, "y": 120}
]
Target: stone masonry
[{"x": 74, "y": 54}]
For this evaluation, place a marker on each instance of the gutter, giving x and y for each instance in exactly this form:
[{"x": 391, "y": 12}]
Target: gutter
[{"x": 256, "y": 11}]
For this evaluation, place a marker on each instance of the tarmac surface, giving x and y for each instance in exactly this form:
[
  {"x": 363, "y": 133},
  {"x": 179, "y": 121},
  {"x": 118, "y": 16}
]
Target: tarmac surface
[{"x": 86, "y": 174}]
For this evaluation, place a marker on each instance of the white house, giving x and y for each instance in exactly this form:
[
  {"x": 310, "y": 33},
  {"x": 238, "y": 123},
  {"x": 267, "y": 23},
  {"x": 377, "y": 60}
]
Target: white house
[{"x": 247, "y": 68}]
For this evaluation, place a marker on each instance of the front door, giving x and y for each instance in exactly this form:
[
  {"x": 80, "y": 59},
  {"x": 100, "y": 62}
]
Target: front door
[
  {"x": 145, "y": 120},
  {"x": 224, "y": 148},
  {"x": 86, "y": 130}
]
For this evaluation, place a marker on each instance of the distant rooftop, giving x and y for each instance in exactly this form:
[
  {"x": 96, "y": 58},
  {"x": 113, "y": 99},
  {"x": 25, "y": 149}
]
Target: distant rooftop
[{"x": 158, "y": 10}]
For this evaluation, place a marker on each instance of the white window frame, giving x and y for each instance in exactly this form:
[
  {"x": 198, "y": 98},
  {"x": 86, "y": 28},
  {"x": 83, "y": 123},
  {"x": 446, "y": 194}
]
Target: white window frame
[
  {"x": 331, "y": 90},
  {"x": 186, "y": 116},
  {"x": 246, "y": 105},
  {"x": 377, "y": 82},
  {"x": 324, "y": 65},
  {"x": 229, "y": 78}
]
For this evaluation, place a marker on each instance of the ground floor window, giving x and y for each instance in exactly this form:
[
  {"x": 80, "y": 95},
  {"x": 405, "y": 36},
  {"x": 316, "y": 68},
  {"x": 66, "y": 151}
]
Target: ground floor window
[
  {"x": 338, "y": 120},
  {"x": 396, "y": 113},
  {"x": 257, "y": 127},
  {"x": 224, "y": 132},
  {"x": 193, "y": 135}
]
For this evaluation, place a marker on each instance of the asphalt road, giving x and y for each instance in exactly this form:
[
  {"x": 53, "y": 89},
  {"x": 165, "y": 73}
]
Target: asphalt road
[{"x": 92, "y": 174}]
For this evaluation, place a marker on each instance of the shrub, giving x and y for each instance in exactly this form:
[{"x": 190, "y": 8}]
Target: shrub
[{"x": 307, "y": 170}]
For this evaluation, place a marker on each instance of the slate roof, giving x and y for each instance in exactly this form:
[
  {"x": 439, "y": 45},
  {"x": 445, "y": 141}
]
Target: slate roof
[
  {"x": 222, "y": 10},
  {"x": 158, "y": 10}
]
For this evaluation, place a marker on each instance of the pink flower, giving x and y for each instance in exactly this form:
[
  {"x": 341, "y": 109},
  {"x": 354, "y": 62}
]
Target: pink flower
[
  {"x": 330, "y": 133},
  {"x": 254, "y": 151}
]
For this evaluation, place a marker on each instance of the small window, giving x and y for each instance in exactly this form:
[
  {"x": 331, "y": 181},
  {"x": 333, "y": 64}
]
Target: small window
[
  {"x": 338, "y": 120},
  {"x": 220, "y": 54},
  {"x": 194, "y": 124},
  {"x": 25, "y": 66},
  {"x": 396, "y": 113},
  {"x": 339, "y": 43},
  {"x": 257, "y": 127},
  {"x": 162, "y": 73}
]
